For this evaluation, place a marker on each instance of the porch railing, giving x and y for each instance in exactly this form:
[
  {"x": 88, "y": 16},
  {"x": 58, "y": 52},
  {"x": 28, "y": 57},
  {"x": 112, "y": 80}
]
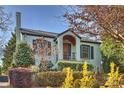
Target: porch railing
[{"x": 69, "y": 57}]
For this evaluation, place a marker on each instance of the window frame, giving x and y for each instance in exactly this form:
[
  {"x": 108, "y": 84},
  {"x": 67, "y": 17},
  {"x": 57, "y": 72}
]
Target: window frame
[{"x": 90, "y": 52}]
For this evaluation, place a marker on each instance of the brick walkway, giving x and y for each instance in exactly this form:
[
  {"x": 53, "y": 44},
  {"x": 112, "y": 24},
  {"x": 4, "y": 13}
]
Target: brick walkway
[{"x": 4, "y": 84}]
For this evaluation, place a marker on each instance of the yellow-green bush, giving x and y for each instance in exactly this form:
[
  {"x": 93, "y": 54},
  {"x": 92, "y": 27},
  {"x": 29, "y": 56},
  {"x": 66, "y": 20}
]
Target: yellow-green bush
[
  {"x": 114, "y": 78},
  {"x": 68, "y": 83},
  {"x": 87, "y": 81}
]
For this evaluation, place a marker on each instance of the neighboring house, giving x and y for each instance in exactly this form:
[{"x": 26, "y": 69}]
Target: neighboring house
[{"x": 71, "y": 46}]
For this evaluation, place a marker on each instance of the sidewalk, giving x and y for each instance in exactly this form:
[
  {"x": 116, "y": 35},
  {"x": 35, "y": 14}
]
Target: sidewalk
[{"x": 4, "y": 85}]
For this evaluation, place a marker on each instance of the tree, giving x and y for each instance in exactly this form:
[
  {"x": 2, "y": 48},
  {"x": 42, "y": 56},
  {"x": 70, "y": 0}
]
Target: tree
[
  {"x": 112, "y": 51},
  {"x": 104, "y": 23},
  {"x": 24, "y": 56},
  {"x": 0, "y": 70},
  {"x": 98, "y": 20},
  {"x": 44, "y": 48},
  {"x": 8, "y": 52},
  {"x": 5, "y": 22},
  {"x": 4, "y": 19}
]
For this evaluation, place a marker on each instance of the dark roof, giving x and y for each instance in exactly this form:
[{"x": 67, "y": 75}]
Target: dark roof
[
  {"x": 90, "y": 41},
  {"x": 53, "y": 35},
  {"x": 38, "y": 32}
]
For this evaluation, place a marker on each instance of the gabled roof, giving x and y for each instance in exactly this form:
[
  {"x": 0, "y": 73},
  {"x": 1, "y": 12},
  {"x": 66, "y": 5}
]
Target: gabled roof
[
  {"x": 38, "y": 33},
  {"x": 68, "y": 31}
]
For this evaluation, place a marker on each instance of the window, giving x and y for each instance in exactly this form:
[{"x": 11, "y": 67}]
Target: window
[
  {"x": 49, "y": 48},
  {"x": 87, "y": 52},
  {"x": 49, "y": 44},
  {"x": 34, "y": 46}
]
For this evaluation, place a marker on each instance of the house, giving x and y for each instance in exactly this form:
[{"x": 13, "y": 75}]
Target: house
[{"x": 71, "y": 46}]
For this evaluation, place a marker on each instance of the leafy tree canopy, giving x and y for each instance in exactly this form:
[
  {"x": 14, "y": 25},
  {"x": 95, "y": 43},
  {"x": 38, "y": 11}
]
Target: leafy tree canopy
[{"x": 112, "y": 51}]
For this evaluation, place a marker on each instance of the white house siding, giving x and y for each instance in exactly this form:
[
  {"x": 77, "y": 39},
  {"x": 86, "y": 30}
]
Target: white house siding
[
  {"x": 29, "y": 40},
  {"x": 96, "y": 62},
  {"x": 60, "y": 48},
  {"x": 77, "y": 49}
]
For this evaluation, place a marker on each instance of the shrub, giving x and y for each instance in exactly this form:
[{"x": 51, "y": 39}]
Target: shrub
[
  {"x": 34, "y": 68},
  {"x": 114, "y": 78},
  {"x": 24, "y": 56},
  {"x": 101, "y": 78},
  {"x": 45, "y": 66},
  {"x": 77, "y": 83},
  {"x": 68, "y": 83},
  {"x": 76, "y": 66},
  {"x": 0, "y": 70},
  {"x": 87, "y": 81},
  {"x": 20, "y": 77},
  {"x": 54, "y": 78}
]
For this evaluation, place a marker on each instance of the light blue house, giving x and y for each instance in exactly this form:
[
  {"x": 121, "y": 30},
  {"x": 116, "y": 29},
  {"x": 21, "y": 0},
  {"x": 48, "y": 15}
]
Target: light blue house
[{"x": 71, "y": 46}]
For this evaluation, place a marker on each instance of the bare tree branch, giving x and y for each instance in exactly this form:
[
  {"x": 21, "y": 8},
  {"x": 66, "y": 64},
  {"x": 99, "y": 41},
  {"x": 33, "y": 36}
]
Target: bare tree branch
[
  {"x": 99, "y": 20},
  {"x": 5, "y": 22},
  {"x": 46, "y": 51}
]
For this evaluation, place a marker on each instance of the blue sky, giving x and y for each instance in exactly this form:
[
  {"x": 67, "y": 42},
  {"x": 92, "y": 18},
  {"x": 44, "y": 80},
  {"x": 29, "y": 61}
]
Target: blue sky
[{"x": 41, "y": 17}]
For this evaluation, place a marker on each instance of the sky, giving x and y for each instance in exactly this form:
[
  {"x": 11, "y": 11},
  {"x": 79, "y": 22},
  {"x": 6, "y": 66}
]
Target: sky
[{"x": 48, "y": 18}]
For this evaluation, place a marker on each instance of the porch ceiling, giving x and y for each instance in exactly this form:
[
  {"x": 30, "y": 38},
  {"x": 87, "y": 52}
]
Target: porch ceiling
[{"x": 70, "y": 39}]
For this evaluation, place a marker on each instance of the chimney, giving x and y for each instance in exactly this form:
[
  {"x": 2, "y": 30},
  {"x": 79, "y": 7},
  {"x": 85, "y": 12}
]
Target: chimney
[
  {"x": 18, "y": 26},
  {"x": 18, "y": 20}
]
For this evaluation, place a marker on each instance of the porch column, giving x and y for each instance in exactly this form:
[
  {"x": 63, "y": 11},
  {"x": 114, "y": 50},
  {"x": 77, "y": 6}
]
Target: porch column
[
  {"x": 60, "y": 48},
  {"x": 77, "y": 49}
]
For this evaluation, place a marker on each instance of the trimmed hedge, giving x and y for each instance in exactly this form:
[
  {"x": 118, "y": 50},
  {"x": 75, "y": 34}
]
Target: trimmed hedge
[
  {"x": 20, "y": 77},
  {"x": 54, "y": 78},
  {"x": 76, "y": 66}
]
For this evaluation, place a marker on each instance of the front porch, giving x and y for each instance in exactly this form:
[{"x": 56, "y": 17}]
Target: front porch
[{"x": 69, "y": 46}]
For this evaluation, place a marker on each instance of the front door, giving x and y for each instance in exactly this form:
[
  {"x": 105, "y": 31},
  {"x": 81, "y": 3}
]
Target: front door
[{"x": 67, "y": 51}]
